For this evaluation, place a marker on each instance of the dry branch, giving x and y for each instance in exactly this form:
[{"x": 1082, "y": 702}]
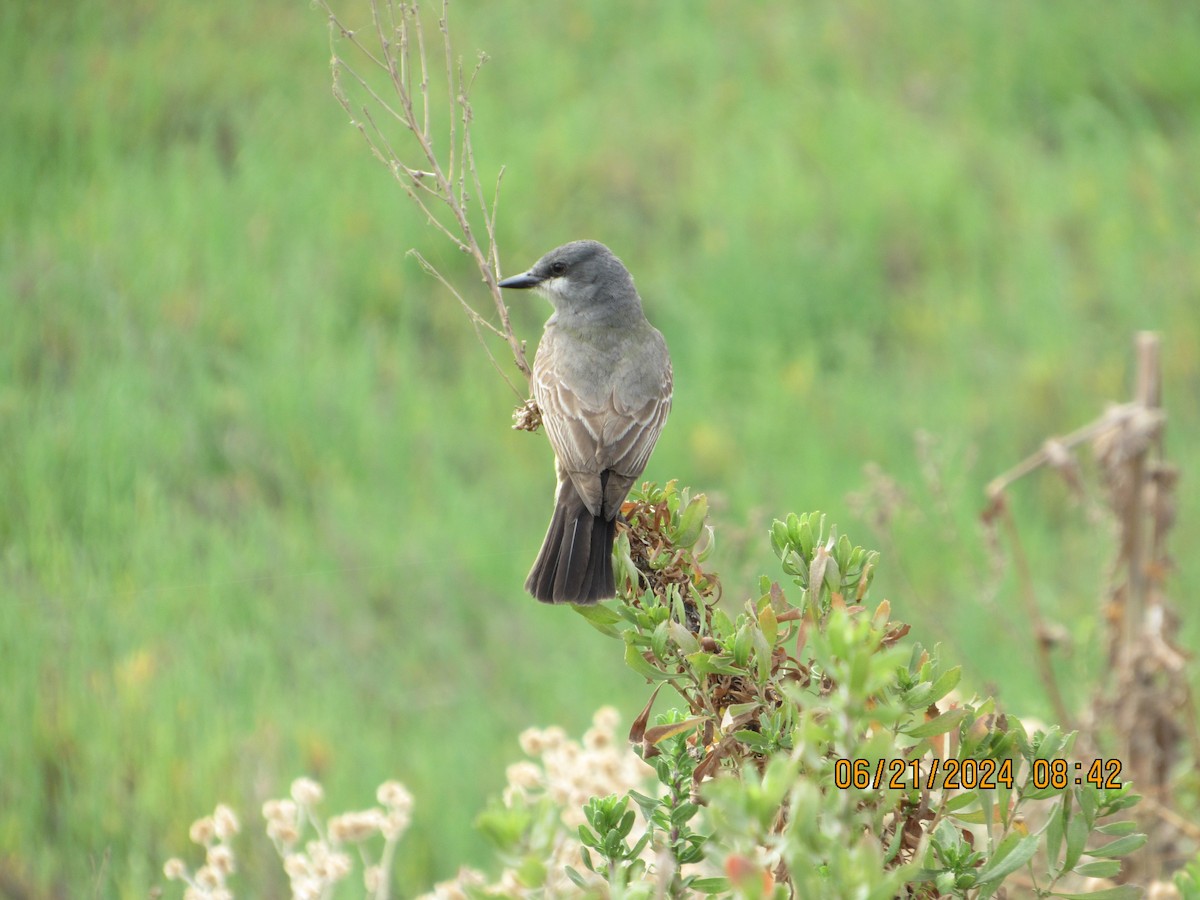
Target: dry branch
[
  {"x": 1145, "y": 702},
  {"x": 443, "y": 184}
]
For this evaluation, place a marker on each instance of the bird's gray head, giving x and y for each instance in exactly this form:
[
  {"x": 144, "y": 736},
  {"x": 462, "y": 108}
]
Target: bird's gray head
[{"x": 581, "y": 278}]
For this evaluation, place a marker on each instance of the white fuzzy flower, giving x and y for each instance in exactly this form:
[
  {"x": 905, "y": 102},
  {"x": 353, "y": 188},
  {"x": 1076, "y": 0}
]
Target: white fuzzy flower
[
  {"x": 202, "y": 831},
  {"x": 524, "y": 776},
  {"x": 353, "y": 827},
  {"x": 174, "y": 869},
  {"x": 225, "y": 822},
  {"x": 307, "y": 792},
  {"x": 394, "y": 795},
  {"x": 220, "y": 858}
]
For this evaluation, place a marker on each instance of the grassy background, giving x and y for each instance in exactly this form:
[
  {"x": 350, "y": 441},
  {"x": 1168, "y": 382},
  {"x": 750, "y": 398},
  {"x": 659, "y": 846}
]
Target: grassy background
[{"x": 262, "y": 514}]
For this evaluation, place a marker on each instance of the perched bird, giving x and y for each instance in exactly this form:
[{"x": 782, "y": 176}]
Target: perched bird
[{"x": 602, "y": 379}]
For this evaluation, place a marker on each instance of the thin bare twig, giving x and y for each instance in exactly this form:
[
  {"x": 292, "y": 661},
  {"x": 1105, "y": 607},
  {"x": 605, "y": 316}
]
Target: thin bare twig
[
  {"x": 1042, "y": 634},
  {"x": 1145, "y": 702},
  {"x": 477, "y": 321},
  {"x": 1052, "y": 448},
  {"x": 443, "y": 185}
]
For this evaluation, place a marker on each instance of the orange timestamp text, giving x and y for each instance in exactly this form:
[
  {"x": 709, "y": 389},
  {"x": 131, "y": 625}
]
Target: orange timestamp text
[{"x": 970, "y": 774}]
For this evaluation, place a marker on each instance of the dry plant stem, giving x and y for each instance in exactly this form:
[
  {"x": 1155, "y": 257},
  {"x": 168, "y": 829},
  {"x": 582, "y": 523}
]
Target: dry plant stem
[
  {"x": 1148, "y": 395},
  {"x": 1044, "y": 663},
  {"x": 434, "y": 188},
  {"x": 1146, "y": 701},
  {"x": 1052, "y": 449}
]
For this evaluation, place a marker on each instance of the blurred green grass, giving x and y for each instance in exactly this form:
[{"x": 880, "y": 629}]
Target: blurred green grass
[{"x": 262, "y": 513}]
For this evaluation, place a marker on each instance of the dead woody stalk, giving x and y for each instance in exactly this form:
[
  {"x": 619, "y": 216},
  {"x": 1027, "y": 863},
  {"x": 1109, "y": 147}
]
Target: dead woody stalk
[
  {"x": 1146, "y": 700},
  {"x": 437, "y": 172}
]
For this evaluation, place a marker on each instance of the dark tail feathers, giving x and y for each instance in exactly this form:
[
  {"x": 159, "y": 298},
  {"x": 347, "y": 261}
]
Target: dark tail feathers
[{"x": 575, "y": 563}]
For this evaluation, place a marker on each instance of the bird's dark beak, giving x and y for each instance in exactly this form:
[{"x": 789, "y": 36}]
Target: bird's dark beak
[{"x": 524, "y": 280}]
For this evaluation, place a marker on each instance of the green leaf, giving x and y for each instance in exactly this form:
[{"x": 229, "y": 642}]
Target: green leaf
[
  {"x": 957, "y": 802},
  {"x": 712, "y": 885},
  {"x": 658, "y": 640},
  {"x": 833, "y": 574},
  {"x": 1013, "y": 852},
  {"x": 637, "y": 848},
  {"x": 588, "y": 838},
  {"x": 684, "y": 639},
  {"x": 742, "y": 644},
  {"x": 1118, "y": 829},
  {"x": 706, "y": 663},
  {"x": 1055, "y": 828},
  {"x": 842, "y": 552},
  {"x": 970, "y": 818},
  {"x": 946, "y": 682},
  {"x": 1051, "y": 741},
  {"x": 919, "y": 696},
  {"x": 721, "y": 624},
  {"x": 646, "y": 804},
  {"x": 739, "y": 709},
  {"x": 691, "y": 523},
  {"x": 532, "y": 872},
  {"x": 940, "y": 725},
  {"x": 779, "y": 537},
  {"x": 1089, "y": 801},
  {"x": 768, "y": 624},
  {"x": 576, "y": 878},
  {"x": 1102, "y": 868},
  {"x": 753, "y": 740},
  {"x": 1077, "y": 835},
  {"x": 600, "y": 617},
  {"x": 626, "y": 824},
  {"x": 683, "y": 813},
  {"x": 1120, "y": 847},
  {"x": 637, "y": 662},
  {"x": 804, "y": 537},
  {"x": 794, "y": 564},
  {"x": 762, "y": 654}
]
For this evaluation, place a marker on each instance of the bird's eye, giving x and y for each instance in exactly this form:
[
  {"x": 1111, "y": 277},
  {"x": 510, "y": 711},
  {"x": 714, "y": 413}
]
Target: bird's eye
[{"x": 558, "y": 268}]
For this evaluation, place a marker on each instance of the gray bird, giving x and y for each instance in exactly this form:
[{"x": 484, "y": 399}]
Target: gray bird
[{"x": 602, "y": 379}]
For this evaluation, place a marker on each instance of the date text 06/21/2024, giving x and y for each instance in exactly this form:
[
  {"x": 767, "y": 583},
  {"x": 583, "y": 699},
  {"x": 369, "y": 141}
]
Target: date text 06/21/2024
[{"x": 970, "y": 774}]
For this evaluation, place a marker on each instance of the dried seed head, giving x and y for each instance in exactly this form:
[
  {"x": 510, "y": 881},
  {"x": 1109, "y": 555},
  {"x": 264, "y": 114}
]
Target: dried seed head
[
  {"x": 394, "y": 795},
  {"x": 524, "y": 776},
  {"x": 220, "y": 858},
  {"x": 307, "y": 792},
  {"x": 395, "y": 823},
  {"x": 607, "y": 719},
  {"x": 307, "y": 889},
  {"x": 532, "y": 741},
  {"x": 202, "y": 831},
  {"x": 352, "y": 827},
  {"x": 373, "y": 879},
  {"x": 225, "y": 822},
  {"x": 597, "y": 739},
  {"x": 282, "y": 832},
  {"x": 207, "y": 878},
  {"x": 331, "y": 866},
  {"x": 297, "y": 866},
  {"x": 174, "y": 869}
]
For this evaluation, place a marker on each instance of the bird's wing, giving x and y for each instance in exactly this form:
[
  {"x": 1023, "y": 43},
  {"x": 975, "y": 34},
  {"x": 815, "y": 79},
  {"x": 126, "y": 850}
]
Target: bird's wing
[
  {"x": 575, "y": 430},
  {"x": 631, "y": 430},
  {"x": 613, "y": 433},
  {"x": 632, "y": 426}
]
